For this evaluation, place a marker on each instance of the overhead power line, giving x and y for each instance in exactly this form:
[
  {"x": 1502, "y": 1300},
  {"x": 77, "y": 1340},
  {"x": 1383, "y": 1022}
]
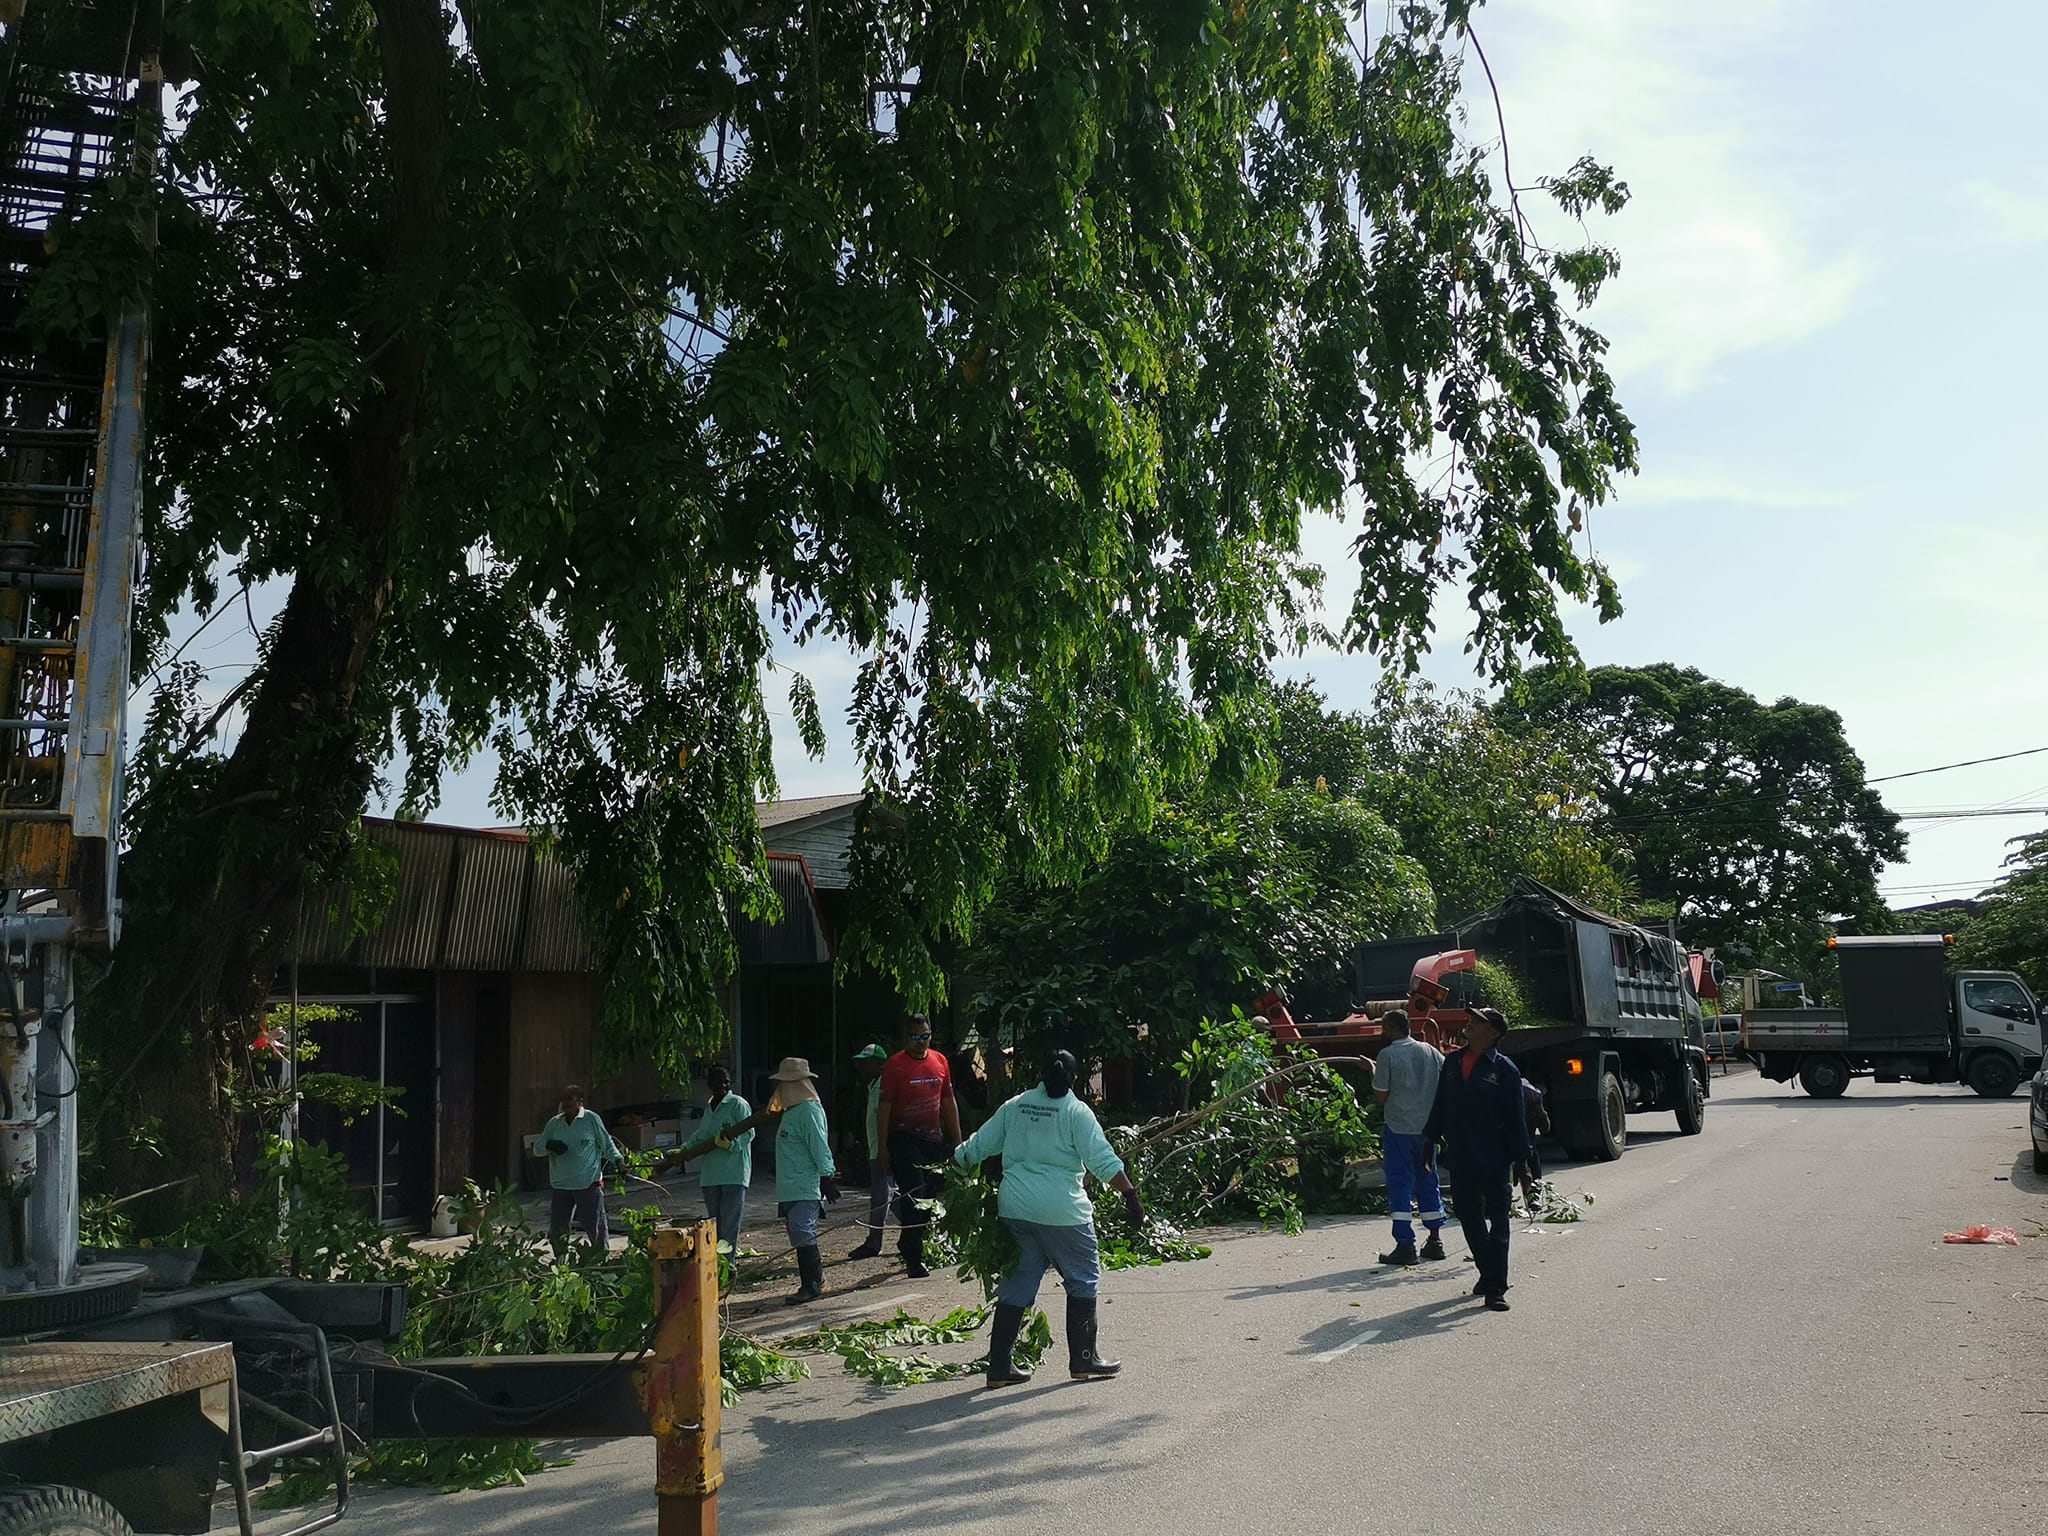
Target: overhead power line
[
  {"x": 1971, "y": 811},
  {"x": 1915, "y": 773}
]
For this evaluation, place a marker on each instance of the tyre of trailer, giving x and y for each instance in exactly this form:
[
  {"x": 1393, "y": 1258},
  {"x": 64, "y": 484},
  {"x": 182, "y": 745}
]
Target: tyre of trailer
[
  {"x": 1824, "y": 1077},
  {"x": 51, "y": 1509}
]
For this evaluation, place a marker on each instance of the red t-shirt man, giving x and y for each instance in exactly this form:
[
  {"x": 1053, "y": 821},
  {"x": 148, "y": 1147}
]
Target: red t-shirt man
[{"x": 916, "y": 1089}]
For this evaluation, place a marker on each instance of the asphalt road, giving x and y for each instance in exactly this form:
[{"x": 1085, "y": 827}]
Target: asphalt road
[{"x": 1757, "y": 1329}]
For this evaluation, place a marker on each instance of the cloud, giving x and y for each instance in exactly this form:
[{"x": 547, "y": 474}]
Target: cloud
[
  {"x": 2020, "y": 217},
  {"x": 1658, "y": 490},
  {"x": 1718, "y": 256}
]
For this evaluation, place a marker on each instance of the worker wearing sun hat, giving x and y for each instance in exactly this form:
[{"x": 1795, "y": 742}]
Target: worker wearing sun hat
[
  {"x": 803, "y": 1169},
  {"x": 868, "y": 1061}
]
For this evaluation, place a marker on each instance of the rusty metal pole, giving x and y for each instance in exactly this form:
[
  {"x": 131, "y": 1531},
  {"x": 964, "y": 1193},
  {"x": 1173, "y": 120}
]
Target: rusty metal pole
[{"x": 682, "y": 1381}]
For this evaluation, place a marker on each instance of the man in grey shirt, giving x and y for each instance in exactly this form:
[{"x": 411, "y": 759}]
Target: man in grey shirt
[{"x": 1404, "y": 1082}]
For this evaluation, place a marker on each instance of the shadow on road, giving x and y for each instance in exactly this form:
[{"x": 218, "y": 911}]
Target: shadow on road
[
  {"x": 1849, "y": 1101},
  {"x": 906, "y": 1461},
  {"x": 1445, "y": 1311},
  {"x": 2024, "y": 1178}
]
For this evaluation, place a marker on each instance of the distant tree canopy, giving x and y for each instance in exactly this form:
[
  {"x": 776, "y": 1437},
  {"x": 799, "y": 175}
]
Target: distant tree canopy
[
  {"x": 558, "y": 362},
  {"x": 1751, "y": 822},
  {"x": 1192, "y": 916},
  {"x": 1475, "y": 803},
  {"x": 2011, "y": 932}
]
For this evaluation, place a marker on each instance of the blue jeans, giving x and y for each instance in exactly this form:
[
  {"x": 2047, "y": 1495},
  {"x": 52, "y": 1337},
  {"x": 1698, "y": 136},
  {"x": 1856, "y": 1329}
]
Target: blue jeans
[
  {"x": 1070, "y": 1250},
  {"x": 800, "y": 1221},
  {"x": 1412, "y": 1190},
  {"x": 726, "y": 1204}
]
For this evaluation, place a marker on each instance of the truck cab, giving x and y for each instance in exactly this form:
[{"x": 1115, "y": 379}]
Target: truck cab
[{"x": 1994, "y": 1008}]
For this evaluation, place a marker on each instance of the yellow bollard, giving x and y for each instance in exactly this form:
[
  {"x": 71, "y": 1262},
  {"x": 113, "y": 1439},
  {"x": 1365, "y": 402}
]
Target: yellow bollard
[{"x": 681, "y": 1381}]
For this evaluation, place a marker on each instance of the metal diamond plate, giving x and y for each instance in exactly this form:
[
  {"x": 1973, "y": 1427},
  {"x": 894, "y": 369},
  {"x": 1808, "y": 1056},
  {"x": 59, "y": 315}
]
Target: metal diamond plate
[{"x": 48, "y": 1386}]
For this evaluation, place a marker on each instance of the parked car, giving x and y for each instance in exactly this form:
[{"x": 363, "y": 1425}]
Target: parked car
[
  {"x": 1723, "y": 1037},
  {"x": 2037, "y": 1120}
]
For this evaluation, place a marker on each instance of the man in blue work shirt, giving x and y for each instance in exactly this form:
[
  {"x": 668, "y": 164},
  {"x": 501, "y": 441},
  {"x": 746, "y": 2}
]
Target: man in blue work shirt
[
  {"x": 1404, "y": 1083},
  {"x": 578, "y": 1149},
  {"x": 1479, "y": 1111}
]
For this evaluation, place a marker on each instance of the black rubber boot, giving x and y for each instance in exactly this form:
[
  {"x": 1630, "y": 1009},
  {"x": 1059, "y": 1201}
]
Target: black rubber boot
[
  {"x": 912, "y": 1249},
  {"x": 810, "y": 1271},
  {"x": 871, "y": 1249},
  {"x": 1434, "y": 1248},
  {"x": 1083, "y": 1363},
  {"x": 1403, "y": 1256},
  {"x": 1003, "y": 1370}
]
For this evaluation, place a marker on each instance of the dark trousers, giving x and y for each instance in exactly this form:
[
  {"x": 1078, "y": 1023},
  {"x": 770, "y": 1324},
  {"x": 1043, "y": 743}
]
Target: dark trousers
[
  {"x": 586, "y": 1206},
  {"x": 1479, "y": 1196},
  {"x": 917, "y": 1164}
]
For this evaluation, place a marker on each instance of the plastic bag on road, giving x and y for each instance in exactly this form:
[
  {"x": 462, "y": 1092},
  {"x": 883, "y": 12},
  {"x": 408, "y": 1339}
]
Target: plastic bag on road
[{"x": 2004, "y": 1236}]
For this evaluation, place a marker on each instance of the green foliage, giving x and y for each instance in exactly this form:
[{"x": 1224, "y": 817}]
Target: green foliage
[
  {"x": 864, "y": 1348},
  {"x": 1479, "y": 805},
  {"x": 1498, "y": 986},
  {"x": 1751, "y": 820},
  {"x": 102, "y": 1224},
  {"x": 2010, "y": 933},
  {"x": 560, "y": 364},
  {"x": 1551, "y": 1204},
  {"x": 1189, "y": 919}
]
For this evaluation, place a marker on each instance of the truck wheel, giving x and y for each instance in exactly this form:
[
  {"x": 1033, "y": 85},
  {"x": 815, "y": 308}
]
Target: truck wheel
[
  {"x": 50, "y": 1509},
  {"x": 1610, "y": 1126},
  {"x": 1692, "y": 1107},
  {"x": 1825, "y": 1077},
  {"x": 1993, "y": 1074}
]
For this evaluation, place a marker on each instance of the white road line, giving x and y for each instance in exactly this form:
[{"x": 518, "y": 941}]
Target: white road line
[
  {"x": 1346, "y": 1347},
  {"x": 813, "y": 1321}
]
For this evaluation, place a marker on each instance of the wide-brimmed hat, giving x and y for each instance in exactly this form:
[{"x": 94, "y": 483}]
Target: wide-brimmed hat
[
  {"x": 794, "y": 1069},
  {"x": 871, "y": 1053}
]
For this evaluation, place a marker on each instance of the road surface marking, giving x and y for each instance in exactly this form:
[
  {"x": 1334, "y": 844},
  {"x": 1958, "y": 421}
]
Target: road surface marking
[{"x": 1346, "y": 1347}]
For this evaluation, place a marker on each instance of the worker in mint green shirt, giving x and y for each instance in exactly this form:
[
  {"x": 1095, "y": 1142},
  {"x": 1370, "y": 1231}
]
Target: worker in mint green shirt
[
  {"x": 728, "y": 1160},
  {"x": 1048, "y": 1140},
  {"x": 803, "y": 1170},
  {"x": 578, "y": 1149}
]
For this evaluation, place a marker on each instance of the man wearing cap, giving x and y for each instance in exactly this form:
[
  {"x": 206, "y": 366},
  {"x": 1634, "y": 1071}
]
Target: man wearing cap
[
  {"x": 578, "y": 1149},
  {"x": 1404, "y": 1083},
  {"x": 803, "y": 1170},
  {"x": 918, "y": 1124},
  {"x": 1048, "y": 1139},
  {"x": 1479, "y": 1112},
  {"x": 868, "y": 1061}
]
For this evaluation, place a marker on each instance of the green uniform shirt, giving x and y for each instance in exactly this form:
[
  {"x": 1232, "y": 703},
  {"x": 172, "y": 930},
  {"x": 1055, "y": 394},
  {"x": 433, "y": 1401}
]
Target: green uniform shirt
[
  {"x": 590, "y": 1148},
  {"x": 1045, "y": 1144},
  {"x": 875, "y": 1119},
  {"x": 735, "y": 1165},
  {"x": 803, "y": 1153}
]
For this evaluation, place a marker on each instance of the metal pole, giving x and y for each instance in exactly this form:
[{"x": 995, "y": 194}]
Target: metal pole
[
  {"x": 681, "y": 1379},
  {"x": 53, "y": 1201}
]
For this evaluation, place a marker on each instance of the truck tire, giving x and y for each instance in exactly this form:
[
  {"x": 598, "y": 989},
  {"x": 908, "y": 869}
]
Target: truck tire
[
  {"x": 1692, "y": 1105},
  {"x": 1825, "y": 1077},
  {"x": 1610, "y": 1121},
  {"x": 51, "y": 1509},
  {"x": 1993, "y": 1075}
]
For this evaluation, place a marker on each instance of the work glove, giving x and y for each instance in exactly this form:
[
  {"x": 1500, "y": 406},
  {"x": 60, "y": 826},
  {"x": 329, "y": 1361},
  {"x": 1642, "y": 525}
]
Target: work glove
[
  {"x": 554, "y": 1148},
  {"x": 721, "y": 1141},
  {"x": 829, "y": 1188},
  {"x": 1134, "y": 1208}
]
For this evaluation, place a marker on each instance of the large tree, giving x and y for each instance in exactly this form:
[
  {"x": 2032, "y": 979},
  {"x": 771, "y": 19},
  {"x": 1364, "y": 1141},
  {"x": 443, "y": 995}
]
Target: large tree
[
  {"x": 1196, "y": 914},
  {"x": 1477, "y": 805},
  {"x": 1749, "y": 822},
  {"x": 561, "y": 362}
]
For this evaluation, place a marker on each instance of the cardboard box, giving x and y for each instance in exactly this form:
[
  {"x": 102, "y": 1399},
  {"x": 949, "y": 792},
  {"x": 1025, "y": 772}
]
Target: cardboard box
[
  {"x": 664, "y": 1140},
  {"x": 636, "y": 1138}
]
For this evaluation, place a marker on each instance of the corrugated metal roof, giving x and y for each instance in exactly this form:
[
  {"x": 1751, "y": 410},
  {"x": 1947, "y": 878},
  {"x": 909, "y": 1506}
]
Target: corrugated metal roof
[
  {"x": 780, "y": 813},
  {"x": 800, "y": 937},
  {"x": 470, "y": 899}
]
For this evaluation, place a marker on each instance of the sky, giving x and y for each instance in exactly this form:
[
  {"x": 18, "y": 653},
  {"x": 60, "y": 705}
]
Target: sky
[{"x": 1827, "y": 330}]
